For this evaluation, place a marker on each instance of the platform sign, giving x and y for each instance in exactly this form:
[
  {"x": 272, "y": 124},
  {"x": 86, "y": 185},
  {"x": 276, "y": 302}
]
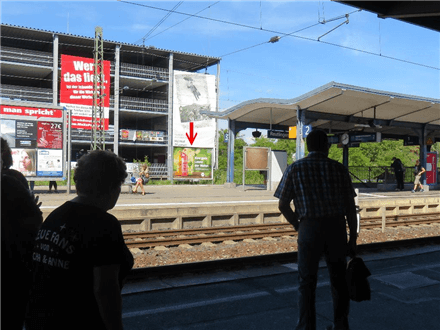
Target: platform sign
[
  {"x": 411, "y": 141},
  {"x": 306, "y": 130},
  {"x": 363, "y": 138},
  {"x": 273, "y": 134},
  {"x": 292, "y": 132}
]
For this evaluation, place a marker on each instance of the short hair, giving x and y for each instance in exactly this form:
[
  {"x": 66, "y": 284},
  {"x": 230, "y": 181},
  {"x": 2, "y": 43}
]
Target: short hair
[
  {"x": 6, "y": 155},
  {"x": 317, "y": 140},
  {"x": 98, "y": 172}
]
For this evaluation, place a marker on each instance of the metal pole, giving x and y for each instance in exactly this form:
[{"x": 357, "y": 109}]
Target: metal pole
[
  {"x": 116, "y": 103},
  {"x": 69, "y": 149},
  {"x": 384, "y": 218}
]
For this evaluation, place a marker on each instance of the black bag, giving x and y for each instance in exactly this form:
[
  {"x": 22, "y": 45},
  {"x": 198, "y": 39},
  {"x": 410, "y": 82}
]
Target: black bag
[
  {"x": 144, "y": 179},
  {"x": 357, "y": 280}
]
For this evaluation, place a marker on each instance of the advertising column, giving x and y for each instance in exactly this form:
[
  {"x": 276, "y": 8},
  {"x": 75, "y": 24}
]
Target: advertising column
[{"x": 193, "y": 132}]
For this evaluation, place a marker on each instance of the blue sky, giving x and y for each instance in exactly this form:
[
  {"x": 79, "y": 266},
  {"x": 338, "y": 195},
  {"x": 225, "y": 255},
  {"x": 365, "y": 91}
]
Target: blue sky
[{"x": 286, "y": 69}]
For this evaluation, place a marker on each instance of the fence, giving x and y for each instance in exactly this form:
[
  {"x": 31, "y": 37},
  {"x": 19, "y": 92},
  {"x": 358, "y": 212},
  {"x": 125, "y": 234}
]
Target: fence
[{"x": 376, "y": 174}]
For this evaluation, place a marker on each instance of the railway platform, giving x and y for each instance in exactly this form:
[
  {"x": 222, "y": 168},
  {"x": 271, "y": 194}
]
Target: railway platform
[{"x": 405, "y": 287}]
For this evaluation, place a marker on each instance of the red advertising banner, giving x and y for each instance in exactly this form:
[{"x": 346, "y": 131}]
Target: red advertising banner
[
  {"x": 50, "y": 135},
  {"x": 30, "y": 112},
  {"x": 76, "y": 89}
]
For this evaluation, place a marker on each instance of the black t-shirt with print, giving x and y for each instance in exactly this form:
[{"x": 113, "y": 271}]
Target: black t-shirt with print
[{"x": 73, "y": 240}]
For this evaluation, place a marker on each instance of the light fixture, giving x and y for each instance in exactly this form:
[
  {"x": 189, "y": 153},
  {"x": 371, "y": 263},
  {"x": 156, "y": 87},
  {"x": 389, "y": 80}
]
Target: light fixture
[{"x": 256, "y": 134}]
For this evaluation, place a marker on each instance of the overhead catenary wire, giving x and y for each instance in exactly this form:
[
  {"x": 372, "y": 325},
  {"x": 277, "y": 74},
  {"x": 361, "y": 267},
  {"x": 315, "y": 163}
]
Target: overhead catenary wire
[
  {"x": 160, "y": 22},
  {"x": 213, "y": 4},
  {"x": 286, "y": 34}
]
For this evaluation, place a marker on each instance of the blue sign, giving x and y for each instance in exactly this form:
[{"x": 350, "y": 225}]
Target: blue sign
[{"x": 306, "y": 130}]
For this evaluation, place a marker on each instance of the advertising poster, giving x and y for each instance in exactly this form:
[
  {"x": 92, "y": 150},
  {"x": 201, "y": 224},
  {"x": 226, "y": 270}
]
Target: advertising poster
[
  {"x": 7, "y": 127},
  {"x": 192, "y": 163},
  {"x": 76, "y": 89},
  {"x": 145, "y": 136},
  {"x": 25, "y": 161},
  {"x": 50, "y": 135},
  {"x": 25, "y": 134},
  {"x": 30, "y": 111},
  {"x": 49, "y": 162},
  {"x": 193, "y": 93}
]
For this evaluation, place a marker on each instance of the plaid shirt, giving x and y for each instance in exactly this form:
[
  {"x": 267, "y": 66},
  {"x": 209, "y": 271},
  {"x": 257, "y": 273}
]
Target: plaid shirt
[{"x": 318, "y": 186}]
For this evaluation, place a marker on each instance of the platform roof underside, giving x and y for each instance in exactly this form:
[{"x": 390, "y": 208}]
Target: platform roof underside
[{"x": 338, "y": 108}]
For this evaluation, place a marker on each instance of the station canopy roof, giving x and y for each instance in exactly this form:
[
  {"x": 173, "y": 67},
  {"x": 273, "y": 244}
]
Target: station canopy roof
[
  {"x": 338, "y": 108},
  {"x": 422, "y": 13}
]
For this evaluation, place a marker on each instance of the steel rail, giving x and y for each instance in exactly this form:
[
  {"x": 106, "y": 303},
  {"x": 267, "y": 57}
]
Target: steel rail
[{"x": 221, "y": 237}]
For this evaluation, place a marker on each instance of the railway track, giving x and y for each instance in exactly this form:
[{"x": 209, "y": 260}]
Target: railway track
[{"x": 235, "y": 233}]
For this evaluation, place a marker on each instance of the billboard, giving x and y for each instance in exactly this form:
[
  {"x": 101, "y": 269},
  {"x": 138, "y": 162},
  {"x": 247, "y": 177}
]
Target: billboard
[
  {"x": 76, "y": 89},
  {"x": 193, "y": 93},
  {"x": 36, "y": 143},
  {"x": 142, "y": 135},
  {"x": 192, "y": 163}
]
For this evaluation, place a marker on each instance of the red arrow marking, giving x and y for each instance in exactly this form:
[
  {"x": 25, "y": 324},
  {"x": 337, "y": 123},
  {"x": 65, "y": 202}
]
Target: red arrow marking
[{"x": 191, "y": 137}]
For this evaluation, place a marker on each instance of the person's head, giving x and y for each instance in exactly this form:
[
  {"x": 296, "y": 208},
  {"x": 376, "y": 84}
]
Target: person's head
[
  {"x": 26, "y": 160},
  {"x": 99, "y": 173},
  {"x": 6, "y": 155},
  {"x": 317, "y": 141},
  {"x": 394, "y": 158},
  {"x": 417, "y": 162}
]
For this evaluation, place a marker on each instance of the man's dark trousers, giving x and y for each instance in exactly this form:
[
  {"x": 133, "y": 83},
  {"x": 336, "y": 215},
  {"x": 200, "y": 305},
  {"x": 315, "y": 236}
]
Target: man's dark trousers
[
  {"x": 399, "y": 179},
  {"x": 326, "y": 236}
]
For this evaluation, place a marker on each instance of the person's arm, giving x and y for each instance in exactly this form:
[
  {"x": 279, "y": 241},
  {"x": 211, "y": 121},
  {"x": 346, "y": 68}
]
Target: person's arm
[
  {"x": 108, "y": 295},
  {"x": 352, "y": 226},
  {"x": 288, "y": 213},
  {"x": 422, "y": 171}
]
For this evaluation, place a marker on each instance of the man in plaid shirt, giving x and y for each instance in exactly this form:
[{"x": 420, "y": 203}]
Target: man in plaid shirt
[{"x": 323, "y": 197}]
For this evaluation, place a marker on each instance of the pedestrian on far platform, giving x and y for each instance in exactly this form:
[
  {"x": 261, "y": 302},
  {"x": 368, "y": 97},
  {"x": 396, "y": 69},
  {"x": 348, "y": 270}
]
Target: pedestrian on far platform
[
  {"x": 323, "y": 197},
  {"x": 399, "y": 170},
  {"x": 418, "y": 171}
]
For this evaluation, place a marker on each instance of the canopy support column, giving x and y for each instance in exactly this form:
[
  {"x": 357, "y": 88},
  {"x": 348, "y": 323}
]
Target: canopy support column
[
  {"x": 231, "y": 144},
  {"x": 300, "y": 146}
]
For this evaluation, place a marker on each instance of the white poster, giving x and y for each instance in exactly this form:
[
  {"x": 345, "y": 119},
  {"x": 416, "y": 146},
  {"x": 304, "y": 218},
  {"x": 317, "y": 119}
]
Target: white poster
[
  {"x": 193, "y": 92},
  {"x": 50, "y": 162}
]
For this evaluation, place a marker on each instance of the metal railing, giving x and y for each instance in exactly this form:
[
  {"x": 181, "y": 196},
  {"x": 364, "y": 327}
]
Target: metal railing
[
  {"x": 141, "y": 71},
  {"x": 378, "y": 174},
  {"x": 137, "y": 103},
  {"x": 25, "y": 93},
  {"x": 26, "y": 56}
]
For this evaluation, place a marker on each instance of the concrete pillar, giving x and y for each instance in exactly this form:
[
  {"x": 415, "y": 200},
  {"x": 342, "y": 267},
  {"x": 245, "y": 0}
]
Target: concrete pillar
[
  {"x": 170, "y": 117},
  {"x": 300, "y": 146},
  {"x": 55, "y": 70},
  {"x": 231, "y": 143}
]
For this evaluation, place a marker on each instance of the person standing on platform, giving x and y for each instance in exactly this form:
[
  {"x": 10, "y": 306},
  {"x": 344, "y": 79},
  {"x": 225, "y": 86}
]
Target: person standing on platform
[
  {"x": 54, "y": 185},
  {"x": 418, "y": 171},
  {"x": 398, "y": 171},
  {"x": 323, "y": 197},
  {"x": 80, "y": 259},
  {"x": 20, "y": 219}
]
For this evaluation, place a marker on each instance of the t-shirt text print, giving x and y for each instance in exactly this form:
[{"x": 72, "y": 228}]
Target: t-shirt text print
[{"x": 52, "y": 247}]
